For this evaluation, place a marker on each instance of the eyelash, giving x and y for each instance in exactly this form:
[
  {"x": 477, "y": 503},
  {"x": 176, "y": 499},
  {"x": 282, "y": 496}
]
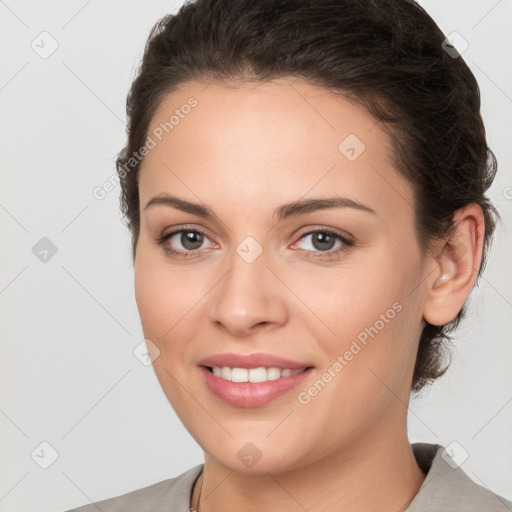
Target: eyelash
[{"x": 347, "y": 243}]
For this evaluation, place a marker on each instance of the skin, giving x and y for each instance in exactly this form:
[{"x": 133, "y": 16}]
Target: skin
[{"x": 245, "y": 150}]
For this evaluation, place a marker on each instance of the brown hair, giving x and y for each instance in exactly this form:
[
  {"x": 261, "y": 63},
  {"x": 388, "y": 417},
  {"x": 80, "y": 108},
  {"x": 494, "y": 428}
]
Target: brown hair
[{"x": 387, "y": 55}]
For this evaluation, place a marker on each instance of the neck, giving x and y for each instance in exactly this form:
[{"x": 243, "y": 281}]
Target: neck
[{"x": 376, "y": 472}]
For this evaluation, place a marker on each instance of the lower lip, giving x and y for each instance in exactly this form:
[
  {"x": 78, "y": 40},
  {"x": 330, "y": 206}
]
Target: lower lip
[{"x": 251, "y": 394}]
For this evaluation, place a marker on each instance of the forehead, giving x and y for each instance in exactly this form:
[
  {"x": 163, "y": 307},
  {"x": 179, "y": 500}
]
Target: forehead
[{"x": 232, "y": 141}]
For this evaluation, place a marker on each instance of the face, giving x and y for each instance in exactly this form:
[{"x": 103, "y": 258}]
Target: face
[{"x": 332, "y": 291}]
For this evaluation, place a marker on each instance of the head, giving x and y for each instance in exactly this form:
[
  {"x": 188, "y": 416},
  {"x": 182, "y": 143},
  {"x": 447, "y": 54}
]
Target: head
[{"x": 245, "y": 107}]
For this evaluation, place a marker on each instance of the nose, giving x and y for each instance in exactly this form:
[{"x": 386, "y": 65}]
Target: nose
[{"x": 249, "y": 299}]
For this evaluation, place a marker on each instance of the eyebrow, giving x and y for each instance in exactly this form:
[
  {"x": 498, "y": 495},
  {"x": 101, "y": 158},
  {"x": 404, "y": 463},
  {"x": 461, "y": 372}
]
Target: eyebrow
[{"x": 287, "y": 210}]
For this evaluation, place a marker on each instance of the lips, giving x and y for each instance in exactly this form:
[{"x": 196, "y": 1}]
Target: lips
[
  {"x": 220, "y": 374},
  {"x": 252, "y": 361}
]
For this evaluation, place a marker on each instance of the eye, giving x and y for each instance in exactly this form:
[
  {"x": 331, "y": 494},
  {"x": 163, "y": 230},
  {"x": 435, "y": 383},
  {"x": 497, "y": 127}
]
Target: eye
[
  {"x": 323, "y": 243},
  {"x": 190, "y": 240}
]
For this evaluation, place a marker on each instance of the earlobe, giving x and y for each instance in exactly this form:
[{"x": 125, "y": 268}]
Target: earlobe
[
  {"x": 455, "y": 266},
  {"x": 441, "y": 280}
]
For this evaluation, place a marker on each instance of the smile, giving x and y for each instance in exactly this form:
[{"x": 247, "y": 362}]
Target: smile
[
  {"x": 252, "y": 387},
  {"x": 254, "y": 375}
]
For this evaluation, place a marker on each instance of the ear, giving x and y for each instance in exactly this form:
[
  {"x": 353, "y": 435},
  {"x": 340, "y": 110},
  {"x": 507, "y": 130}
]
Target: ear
[{"x": 455, "y": 264}]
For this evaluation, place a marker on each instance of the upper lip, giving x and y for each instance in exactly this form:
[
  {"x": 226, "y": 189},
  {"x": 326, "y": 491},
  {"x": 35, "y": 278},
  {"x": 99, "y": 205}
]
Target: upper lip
[{"x": 251, "y": 361}]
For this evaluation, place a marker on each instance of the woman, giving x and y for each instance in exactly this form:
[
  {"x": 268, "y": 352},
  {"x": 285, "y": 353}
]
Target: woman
[{"x": 305, "y": 186}]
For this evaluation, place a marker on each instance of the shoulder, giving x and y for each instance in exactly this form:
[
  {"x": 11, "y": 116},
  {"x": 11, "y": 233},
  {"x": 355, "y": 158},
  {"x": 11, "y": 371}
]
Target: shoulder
[
  {"x": 448, "y": 488},
  {"x": 171, "y": 494}
]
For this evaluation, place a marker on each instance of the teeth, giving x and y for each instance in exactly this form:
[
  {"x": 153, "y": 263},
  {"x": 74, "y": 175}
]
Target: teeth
[
  {"x": 260, "y": 374},
  {"x": 273, "y": 373}
]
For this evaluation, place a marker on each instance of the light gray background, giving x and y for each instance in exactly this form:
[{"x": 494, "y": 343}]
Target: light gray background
[{"x": 70, "y": 325}]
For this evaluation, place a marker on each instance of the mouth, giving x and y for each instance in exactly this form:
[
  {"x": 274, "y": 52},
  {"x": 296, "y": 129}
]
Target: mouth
[
  {"x": 252, "y": 381},
  {"x": 254, "y": 375}
]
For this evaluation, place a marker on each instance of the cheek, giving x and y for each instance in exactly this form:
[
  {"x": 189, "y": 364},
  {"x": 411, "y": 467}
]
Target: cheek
[
  {"x": 169, "y": 301},
  {"x": 349, "y": 300},
  {"x": 163, "y": 309},
  {"x": 372, "y": 319},
  {"x": 151, "y": 302},
  {"x": 157, "y": 298}
]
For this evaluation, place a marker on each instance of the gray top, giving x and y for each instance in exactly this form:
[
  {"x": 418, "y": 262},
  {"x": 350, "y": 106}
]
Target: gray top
[{"x": 446, "y": 488}]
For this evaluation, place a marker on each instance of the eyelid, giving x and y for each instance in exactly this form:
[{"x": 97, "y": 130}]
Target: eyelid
[
  {"x": 347, "y": 241},
  {"x": 178, "y": 229},
  {"x": 326, "y": 229}
]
